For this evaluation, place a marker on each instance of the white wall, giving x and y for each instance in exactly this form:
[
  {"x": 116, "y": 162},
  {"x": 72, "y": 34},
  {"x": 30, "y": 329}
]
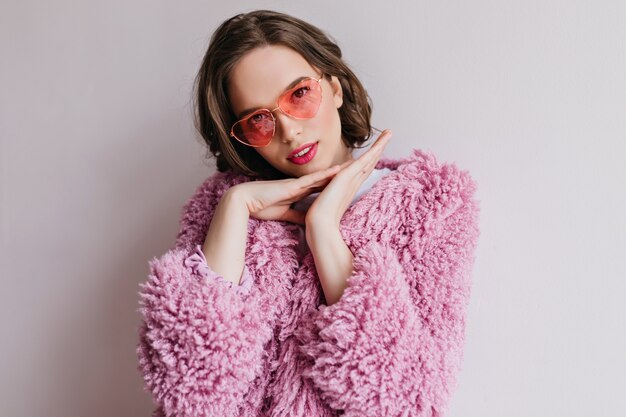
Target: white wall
[{"x": 98, "y": 155}]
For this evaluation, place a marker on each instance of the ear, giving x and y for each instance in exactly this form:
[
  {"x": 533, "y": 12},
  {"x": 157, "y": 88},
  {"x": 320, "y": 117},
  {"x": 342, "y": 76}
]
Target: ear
[{"x": 337, "y": 91}]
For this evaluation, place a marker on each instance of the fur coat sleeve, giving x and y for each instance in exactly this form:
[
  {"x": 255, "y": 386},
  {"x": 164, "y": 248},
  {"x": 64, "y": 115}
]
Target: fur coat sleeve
[
  {"x": 393, "y": 344},
  {"x": 200, "y": 342}
]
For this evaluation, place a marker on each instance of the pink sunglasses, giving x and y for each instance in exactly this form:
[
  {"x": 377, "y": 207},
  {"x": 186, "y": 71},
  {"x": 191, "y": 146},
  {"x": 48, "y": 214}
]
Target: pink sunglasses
[{"x": 301, "y": 102}]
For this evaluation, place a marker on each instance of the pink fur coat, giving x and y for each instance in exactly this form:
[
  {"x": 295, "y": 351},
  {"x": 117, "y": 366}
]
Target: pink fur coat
[{"x": 391, "y": 346}]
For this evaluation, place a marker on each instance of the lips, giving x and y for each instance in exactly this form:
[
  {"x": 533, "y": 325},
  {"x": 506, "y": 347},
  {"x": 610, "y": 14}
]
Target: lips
[
  {"x": 306, "y": 157},
  {"x": 301, "y": 148}
]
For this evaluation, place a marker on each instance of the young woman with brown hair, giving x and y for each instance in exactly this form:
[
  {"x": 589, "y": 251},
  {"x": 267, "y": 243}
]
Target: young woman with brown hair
[{"x": 305, "y": 281}]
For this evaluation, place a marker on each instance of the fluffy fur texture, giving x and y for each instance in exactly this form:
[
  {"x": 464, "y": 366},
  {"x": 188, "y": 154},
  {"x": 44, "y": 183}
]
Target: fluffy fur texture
[{"x": 391, "y": 346}]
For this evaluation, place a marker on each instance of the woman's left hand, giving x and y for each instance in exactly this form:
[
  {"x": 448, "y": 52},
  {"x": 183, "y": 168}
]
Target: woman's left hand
[{"x": 330, "y": 205}]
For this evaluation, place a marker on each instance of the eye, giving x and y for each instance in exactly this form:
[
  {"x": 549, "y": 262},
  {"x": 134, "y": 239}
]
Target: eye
[
  {"x": 259, "y": 117},
  {"x": 301, "y": 92}
]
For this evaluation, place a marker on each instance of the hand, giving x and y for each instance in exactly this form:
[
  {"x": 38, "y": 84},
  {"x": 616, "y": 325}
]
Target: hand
[
  {"x": 329, "y": 207},
  {"x": 271, "y": 200}
]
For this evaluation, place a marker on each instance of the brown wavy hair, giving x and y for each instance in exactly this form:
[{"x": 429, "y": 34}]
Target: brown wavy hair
[{"x": 213, "y": 115}]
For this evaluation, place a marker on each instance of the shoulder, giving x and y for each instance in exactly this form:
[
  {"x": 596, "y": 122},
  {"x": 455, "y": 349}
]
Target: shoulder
[{"x": 428, "y": 186}]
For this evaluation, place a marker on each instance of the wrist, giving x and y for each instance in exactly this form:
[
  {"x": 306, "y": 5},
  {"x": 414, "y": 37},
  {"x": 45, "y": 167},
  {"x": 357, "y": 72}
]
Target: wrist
[
  {"x": 317, "y": 232},
  {"x": 229, "y": 214},
  {"x": 234, "y": 200}
]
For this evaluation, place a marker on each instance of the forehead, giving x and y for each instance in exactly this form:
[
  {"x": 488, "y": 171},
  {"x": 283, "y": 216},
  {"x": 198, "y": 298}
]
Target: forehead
[{"x": 262, "y": 75}]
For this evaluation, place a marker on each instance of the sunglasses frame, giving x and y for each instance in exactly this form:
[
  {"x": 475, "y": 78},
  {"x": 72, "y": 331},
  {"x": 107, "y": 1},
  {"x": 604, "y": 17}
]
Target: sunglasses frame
[{"x": 232, "y": 133}]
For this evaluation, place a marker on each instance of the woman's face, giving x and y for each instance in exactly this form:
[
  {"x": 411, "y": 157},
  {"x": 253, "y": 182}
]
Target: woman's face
[{"x": 259, "y": 78}]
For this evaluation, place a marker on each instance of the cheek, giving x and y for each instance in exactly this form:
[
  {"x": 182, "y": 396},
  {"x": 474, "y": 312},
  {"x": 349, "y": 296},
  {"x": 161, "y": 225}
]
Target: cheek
[
  {"x": 269, "y": 154},
  {"x": 328, "y": 118}
]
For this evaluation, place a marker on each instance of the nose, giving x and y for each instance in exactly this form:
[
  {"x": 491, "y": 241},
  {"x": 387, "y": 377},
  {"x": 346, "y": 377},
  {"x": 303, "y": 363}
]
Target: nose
[{"x": 287, "y": 128}]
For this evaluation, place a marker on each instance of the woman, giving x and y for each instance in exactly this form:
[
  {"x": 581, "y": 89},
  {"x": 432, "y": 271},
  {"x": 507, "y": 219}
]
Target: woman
[{"x": 305, "y": 281}]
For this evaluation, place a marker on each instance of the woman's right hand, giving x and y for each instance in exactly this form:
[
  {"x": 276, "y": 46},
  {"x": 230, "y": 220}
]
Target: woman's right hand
[{"x": 272, "y": 200}]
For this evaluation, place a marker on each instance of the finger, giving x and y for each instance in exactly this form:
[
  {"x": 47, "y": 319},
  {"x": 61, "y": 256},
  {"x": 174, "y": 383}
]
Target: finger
[
  {"x": 302, "y": 192},
  {"x": 379, "y": 146},
  {"x": 315, "y": 177},
  {"x": 366, "y": 163},
  {"x": 321, "y": 183},
  {"x": 382, "y": 141},
  {"x": 374, "y": 153},
  {"x": 384, "y": 136},
  {"x": 347, "y": 163},
  {"x": 302, "y": 186}
]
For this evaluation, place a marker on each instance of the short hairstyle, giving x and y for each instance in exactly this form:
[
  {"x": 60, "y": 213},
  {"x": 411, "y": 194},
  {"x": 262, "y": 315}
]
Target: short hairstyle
[{"x": 213, "y": 115}]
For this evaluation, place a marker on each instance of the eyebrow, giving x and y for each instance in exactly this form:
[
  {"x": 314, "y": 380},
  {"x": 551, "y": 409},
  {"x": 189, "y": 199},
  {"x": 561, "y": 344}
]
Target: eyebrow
[{"x": 292, "y": 84}]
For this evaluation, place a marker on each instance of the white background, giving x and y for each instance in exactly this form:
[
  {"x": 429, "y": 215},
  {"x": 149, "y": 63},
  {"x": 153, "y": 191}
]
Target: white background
[{"x": 98, "y": 155}]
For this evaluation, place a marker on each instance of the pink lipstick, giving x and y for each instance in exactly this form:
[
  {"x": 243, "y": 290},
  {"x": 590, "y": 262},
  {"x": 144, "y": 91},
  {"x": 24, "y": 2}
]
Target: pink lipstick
[{"x": 311, "y": 150}]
